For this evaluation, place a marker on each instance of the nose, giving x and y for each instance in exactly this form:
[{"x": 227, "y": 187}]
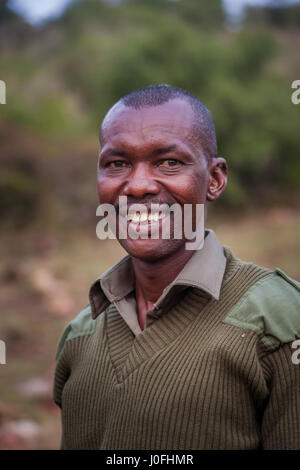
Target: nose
[{"x": 141, "y": 182}]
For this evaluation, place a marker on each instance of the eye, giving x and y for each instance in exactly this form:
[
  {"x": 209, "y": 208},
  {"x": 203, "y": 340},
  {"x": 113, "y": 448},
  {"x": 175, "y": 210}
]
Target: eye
[
  {"x": 117, "y": 164},
  {"x": 169, "y": 162}
]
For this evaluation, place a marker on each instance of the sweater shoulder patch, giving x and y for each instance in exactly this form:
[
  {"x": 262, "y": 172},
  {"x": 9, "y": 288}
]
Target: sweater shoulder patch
[
  {"x": 82, "y": 325},
  {"x": 271, "y": 308}
]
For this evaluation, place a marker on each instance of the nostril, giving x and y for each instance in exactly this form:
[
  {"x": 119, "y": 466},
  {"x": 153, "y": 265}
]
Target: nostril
[
  {"x": 141, "y": 188},
  {"x": 139, "y": 193}
]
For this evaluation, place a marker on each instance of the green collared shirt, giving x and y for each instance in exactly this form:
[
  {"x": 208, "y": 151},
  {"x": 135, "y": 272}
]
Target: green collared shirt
[{"x": 204, "y": 271}]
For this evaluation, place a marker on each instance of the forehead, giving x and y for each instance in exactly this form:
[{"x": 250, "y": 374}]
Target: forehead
[{"x": 174, "y": 119}]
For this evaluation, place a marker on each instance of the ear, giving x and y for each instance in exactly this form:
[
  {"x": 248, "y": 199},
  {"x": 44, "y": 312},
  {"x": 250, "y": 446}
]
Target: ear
[{"x": 218, "y": 178}]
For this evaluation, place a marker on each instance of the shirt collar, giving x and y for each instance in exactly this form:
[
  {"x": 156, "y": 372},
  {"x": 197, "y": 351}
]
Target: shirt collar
[{"x": 204, "y": 271}]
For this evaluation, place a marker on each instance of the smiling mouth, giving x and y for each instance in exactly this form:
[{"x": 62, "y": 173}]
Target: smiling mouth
[{"x": 146, "y": 217}]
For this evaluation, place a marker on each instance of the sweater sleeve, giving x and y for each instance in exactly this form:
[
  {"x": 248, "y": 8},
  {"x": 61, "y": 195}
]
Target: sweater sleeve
[
  {"x": 62, "y": 372},
  {"x": 81, "y": 325},
  {"x": 62, "y": 369},
  {"x": 281, "y": 418}
]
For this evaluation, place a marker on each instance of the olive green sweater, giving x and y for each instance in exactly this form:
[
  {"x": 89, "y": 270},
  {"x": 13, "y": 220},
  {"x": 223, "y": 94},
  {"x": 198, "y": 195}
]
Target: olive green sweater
[{"x": 208, "y": 374}]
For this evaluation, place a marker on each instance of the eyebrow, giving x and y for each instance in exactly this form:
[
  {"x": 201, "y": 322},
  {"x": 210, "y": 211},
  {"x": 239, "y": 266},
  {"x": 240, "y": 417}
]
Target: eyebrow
[
  {"x": 162, "y": 150},
  {"x": 114, "y": 153},
  {"x": 110, "y": 152},
  {"x": 121, "y": 153}
]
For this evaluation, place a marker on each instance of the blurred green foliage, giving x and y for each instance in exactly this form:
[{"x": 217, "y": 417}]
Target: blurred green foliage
[
  {"x": 63, "y": 77},
  {"x": 282, "y": 15}
]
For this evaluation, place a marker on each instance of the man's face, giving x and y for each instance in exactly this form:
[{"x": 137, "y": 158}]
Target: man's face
[{"x": 151, "y": 155}]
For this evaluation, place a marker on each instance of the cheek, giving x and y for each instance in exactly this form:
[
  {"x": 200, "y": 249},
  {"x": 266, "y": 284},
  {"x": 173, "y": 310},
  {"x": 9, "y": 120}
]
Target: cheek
[
  {"x": 107, "y": 189},
  {"x": 191, "y": 190}
]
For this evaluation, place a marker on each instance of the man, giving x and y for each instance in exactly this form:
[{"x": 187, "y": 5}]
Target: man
[{"x": 178, "y": 349}]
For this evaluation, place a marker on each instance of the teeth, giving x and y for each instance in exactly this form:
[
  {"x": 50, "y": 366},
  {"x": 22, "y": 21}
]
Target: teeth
[{"x": 142, "y": 217}]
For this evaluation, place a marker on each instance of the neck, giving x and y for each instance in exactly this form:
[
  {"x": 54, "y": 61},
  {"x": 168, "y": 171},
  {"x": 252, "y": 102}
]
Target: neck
[{"x": 153, "y": 276}]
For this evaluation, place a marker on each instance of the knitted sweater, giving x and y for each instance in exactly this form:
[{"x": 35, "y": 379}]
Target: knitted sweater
[{"x": 208, "y": 374}]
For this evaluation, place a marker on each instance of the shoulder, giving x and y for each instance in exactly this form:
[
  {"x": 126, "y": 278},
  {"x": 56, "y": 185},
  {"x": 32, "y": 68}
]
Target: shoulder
[
  {"x": 82, "y": 325},
  {"x": 271, "y": 308}
]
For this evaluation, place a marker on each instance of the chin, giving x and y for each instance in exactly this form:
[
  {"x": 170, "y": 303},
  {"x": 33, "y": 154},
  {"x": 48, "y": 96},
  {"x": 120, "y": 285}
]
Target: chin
[{"x": 151, "y": 250}]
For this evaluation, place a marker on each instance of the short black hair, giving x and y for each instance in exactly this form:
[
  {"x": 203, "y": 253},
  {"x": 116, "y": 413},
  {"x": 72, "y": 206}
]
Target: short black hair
[{"x": 154, "y": 95}]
